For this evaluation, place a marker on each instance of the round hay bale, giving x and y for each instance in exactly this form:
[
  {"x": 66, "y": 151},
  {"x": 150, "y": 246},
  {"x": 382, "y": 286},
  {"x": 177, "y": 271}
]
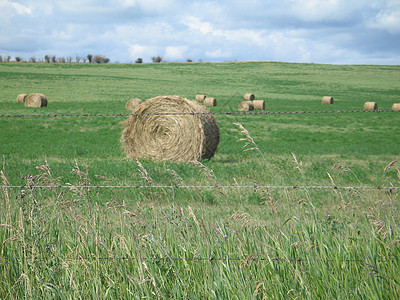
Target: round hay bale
[
  {"x": 327, "y": 100},
  {"x": 396, "y": 107},
  {"x": 210, "y": 102},
  {"x": 200, "y": 98},
  {"x": 249, "y": 97},
  {"x": 35, "y": 100},
  {"x": 370, "y": 106},
  {"x": 259, "y": 104},
  {"x": 246, "y": 106},
  {"x": 132, "y": 103},
  {"x": 170, "y": 128},
  {"x": 21, "y": 98}
]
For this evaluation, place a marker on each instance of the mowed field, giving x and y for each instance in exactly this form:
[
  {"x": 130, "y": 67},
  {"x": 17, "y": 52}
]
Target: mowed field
[{"x": 221, "y": 243}]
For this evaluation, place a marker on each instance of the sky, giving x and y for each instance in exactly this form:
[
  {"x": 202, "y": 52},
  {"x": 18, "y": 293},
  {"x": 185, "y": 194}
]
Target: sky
[{"x": 304, "y": 31}]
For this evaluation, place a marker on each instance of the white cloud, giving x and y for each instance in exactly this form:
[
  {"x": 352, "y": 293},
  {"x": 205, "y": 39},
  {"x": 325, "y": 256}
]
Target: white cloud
[
  {"x": 388, "y": 17},
  {"x": 218, "y": 53},
  {"x": 21, "y": 9},
  {"x": 175, "y": 53},
  {"x": 327, "y": 31},
  {"x": 325, "y": 10},
  {"x": 136, "y": 51}
]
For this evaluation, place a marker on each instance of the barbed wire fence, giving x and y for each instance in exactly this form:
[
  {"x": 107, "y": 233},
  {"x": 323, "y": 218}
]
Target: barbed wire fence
[{"x": 199, "y": 113}]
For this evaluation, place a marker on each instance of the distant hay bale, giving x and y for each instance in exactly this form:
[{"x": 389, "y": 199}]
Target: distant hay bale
[
  {"x": 370, "y": 106},
  {"x": 246, "y": 106},
  {"x": 170, "y": 128},
  {"x": 396, "y": 107},
  {"x": 132, "y": 103},
  {"x": 200, "y": 98},
  {"x": 35, "y": 100},
  {"x": 327, "y": 100},
  {"x": 210, "y": 102},
  {"x": 249, "y": 97},
  {"x": 21, "y": 98},
  {"x": 259, "y": 104}
]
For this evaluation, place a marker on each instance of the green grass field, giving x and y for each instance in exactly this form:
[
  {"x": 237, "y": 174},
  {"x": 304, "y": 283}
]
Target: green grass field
[{"x": 265, "y": 243}]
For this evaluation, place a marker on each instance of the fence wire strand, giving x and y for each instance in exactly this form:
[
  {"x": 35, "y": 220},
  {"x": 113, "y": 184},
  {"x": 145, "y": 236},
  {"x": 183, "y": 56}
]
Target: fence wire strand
[
  {"x": 199, "y": 113},
  {"x": 290, "y": 187},
  {"x": 195, "y": 259}
]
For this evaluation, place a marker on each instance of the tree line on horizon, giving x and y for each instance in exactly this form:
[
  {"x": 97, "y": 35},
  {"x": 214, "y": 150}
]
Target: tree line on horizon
[
  {"x": 90, "y": 58},
  {"x": 54, "y": 59}
]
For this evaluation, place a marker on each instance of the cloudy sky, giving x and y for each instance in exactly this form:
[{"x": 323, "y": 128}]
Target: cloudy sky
[{"x": 320, "y": 31}]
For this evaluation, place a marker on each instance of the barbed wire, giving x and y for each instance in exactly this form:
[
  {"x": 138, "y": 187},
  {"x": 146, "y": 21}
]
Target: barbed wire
[
  {"x": 199, "y": 113},
  {"x": 244, "y": 259},
  {"x": 206, "y": 187}
]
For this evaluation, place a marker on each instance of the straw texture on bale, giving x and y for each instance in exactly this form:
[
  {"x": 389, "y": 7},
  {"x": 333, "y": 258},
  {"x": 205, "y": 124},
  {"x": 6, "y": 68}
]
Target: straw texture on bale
[
  {"x": 170, "y": 128},
  {"x": 246, "y": 106},
  {"x": 35, "y": 100},
  {"x": 200, "y": 98},
  {"x": 259, "y": 104},
  {"x": 132, "y": 103},
  {"x": 370, "y": 106},
  {"x": 210, "y": 102},
  {"x": 327, "y": 100},
  {"x": 396, "y": 107},
  {"x": 249, "y": 97},
  {"x": 21, "y": 98}
]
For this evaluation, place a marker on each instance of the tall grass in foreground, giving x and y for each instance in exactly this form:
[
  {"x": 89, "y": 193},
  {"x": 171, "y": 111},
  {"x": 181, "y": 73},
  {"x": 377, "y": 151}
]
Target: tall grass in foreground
[{"x": 80, "y": 243}]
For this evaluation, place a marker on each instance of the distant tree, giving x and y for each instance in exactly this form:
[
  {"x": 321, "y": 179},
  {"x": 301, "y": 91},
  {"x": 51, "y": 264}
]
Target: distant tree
[
  {"x": 18, "y": 59},
  {"x": 53, "y": 59},
  {"x": 84, "y": 59},
  {"x": 47, "y": 58},
  {"x": 8, "y": 58},
  {"x": 189, "y": 60},
  {"x": 78, "y": 58},
  {"x": 32, "y": 59},
  {"x": 90, "y": 57},
  {"x": 61, "y": 59},
  {"x": 100, "y": 59},
  {"x": 139, "y": 60},
  {"x": 69, "y": 59},
  {"x": 157, "y": 59},
  {"x": 1, "y": 58}
]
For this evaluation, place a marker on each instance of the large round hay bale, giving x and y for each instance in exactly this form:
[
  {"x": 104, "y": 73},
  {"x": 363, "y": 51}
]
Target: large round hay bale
[
  {"x": 200, "y": 98},
  {"x": 21, "y": 98},
  {"x": 259, "y": 104},
  {"x": 170, "y": 128},
  {"x": 396, "y": 107},
  {"x": 210, "y": 102},
  {"x": 249, "y": 97},
  {"x": 246, "y": 106},
  {"x": 35, "y": 100},
  {"x": 327, "y": 100},
  {"x": 370, "y": 106},
  {"x": 132, "y": 103}
]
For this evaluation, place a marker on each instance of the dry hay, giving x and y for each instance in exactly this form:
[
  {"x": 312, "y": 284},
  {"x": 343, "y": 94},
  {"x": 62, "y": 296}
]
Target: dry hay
[
  {"x": 35, "y": 100},
  {"x": 21, "y": 98},
  {"x": 370, "y": 106},
  {"x": 132, "y": 103},
  {"x": 249, "y": 97},
  {"x": 327, "y": 100},
  {"x": 246, "y": 106},
  {"x": 210, "y": 102},
  {"x": 259, "y": 104},
  {"x": 170, "y": 128},
  {"x": 396, "y": 107},
  {"x": 200, "y": 98}
]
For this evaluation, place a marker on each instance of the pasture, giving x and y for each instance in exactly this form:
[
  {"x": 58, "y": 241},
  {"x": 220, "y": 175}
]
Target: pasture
[{"x": 225, "y": 242}]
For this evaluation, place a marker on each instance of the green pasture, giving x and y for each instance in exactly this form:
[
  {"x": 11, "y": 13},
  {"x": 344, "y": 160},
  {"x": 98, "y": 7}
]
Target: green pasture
[{"x": 300, "y": 243}]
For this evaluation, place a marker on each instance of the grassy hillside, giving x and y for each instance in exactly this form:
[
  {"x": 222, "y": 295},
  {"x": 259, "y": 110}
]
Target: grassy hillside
[{"x": 267, "y": 243}]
